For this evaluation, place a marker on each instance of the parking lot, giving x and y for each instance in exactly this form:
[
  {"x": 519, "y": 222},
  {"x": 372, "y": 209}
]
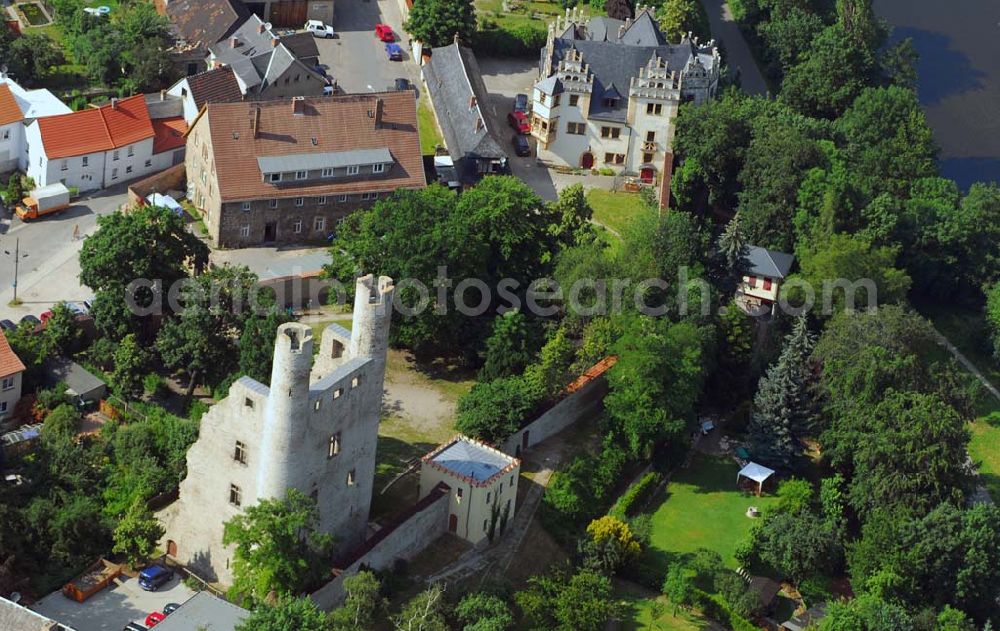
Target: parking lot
[
  {"x": 114, "y": 607},
  {"x": 356, "y": 58}
]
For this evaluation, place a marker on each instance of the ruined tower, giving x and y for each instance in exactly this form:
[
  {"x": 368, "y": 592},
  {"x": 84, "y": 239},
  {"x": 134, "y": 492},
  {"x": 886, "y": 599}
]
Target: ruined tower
[{"x": 315, "y": 428}]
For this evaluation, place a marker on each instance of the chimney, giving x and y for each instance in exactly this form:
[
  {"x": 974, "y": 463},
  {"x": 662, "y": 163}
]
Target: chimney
[
  {"x": 255, "y": 122},
  {"x": 234, "y": 41},
  {"x": 163, "y": 95},
  {"x": 298, "y": 105},
  {"x": 378, "y": 113},
  {"x": 114, "y": 103},
  {"x": 261, "y": 28}
]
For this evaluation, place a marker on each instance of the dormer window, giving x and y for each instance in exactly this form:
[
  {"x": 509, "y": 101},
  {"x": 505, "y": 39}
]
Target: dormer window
[
  {"x": 353, "y": 169},
  {"x": 327, "y": 172},
  {"x": 300, "y": 175},
  {"x": 378, "y": 168},
  {"x": 274, "y": 177},
  {"x": 610, "y": 102},
  {"x": 472, "y": 101}
]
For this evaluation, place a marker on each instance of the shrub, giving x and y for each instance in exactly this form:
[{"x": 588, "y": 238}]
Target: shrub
[
  {"x": 154, "y": 385},
  {"x": 196, "y": 409},
  {"x": 494, "y": 410},
  {"x": 517, "y": 41},
  {"x": 52, "y": 397},
  {"x": 635, "y": 495}
]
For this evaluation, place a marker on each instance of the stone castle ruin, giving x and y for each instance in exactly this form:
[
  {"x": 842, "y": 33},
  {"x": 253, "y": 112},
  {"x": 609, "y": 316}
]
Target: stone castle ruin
[{"x": 314, "y": 428}]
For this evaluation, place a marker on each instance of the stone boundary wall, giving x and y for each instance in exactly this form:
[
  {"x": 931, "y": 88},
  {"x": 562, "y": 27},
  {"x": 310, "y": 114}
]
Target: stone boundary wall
[
  {"x": 172, "y": 179},
  {"x": 408, "y": 535},
  {"x": 584, "y": 397}
]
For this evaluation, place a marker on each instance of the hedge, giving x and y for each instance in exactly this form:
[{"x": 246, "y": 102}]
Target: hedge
[
  {"x": 635, "y": 495},
  {"x": 715, "y": 607},
  {"x": 516, "y": 41}
]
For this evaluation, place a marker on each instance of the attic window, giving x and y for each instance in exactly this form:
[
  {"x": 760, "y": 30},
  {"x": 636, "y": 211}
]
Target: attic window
[
  {"x": 612, "y": 102},
  {"x": 236, "y": 135},
  {"x": 314, "y": 140},
  {"x": 472, "y": 101}
]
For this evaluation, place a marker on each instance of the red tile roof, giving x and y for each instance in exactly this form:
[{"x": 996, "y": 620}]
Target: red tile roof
[
  {"x": 9, "y": 362},
  {"x": 97, "y": 129},
  {"x": 10, "y": 111},
  {"x": 169, "y": 133}
]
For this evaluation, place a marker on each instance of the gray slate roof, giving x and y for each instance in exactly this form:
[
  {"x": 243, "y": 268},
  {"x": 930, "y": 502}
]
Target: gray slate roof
[
  {"x": 257, "y": 60},
  {"x": 769, "y": 263},
  {"x": 452, "y": 76},
  {"x": 204, "y": 611},
  {"x": 328, "y": 160},
  {"x": 80, "y": 380},
  {"x": 14, "y": 617},
  {"x": 469, "y": 459}
]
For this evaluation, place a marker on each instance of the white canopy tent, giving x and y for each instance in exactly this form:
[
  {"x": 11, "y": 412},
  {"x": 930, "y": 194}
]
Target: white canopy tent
[{"x": 757, "y": 473}]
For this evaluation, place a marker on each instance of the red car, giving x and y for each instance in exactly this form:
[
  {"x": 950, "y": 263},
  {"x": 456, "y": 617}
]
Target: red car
[
  {"x": 154, "y": 618},
  {"x": 384, "y": 33},
  {"x": 519, "y": 121},
  {"x": 46, "y": 315}
]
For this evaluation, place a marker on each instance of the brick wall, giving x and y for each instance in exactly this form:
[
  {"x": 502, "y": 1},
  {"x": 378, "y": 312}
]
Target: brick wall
[{"x": 284, "y": 216}]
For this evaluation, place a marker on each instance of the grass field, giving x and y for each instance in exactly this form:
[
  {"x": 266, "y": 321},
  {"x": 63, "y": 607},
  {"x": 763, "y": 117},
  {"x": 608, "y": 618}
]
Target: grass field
[
  {"x": 985, "y": 450},
  {"x": 614, "y": 210},
  {"x": 638, "y": 614},
  {"x": 703, "y": 509},
  {"x": 430, "y": 137}
]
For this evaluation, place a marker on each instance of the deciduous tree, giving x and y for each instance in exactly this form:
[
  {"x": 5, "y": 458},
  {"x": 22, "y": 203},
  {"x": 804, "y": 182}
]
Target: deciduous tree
[{"x": 438, "y": 22}]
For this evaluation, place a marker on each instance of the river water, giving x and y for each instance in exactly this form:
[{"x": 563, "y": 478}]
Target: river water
[{"x": 959, "y": 69}]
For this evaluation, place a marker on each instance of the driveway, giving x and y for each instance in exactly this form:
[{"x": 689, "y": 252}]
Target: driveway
[
  {"x": 114, "y": 607},
  {"x": 356, "y": 58},
  {"x": 49, "y": 266},
  {"x": 504, "y": 78}
]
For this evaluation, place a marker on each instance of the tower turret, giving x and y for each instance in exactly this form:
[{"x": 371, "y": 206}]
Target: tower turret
[{"x": 286, "y": 416}]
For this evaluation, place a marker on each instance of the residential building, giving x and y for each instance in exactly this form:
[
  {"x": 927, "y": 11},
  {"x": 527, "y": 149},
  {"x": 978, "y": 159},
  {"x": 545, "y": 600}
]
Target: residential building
[
  {"x": 608, "y": 93},
  {"x": 264, "y": 66},
  {"x": 314, "y": 428},
  {"x": 198, "y": 24},
  {"x": 204, "y": 611},
  {"x": 288, "y": 170},
  {"x": 101, "y": 146},
  {"x": 15, "y": 617},
  {"x": 482, "y": 482},
  {"x": 218, "y": 85},
  {"x": 11, "y": 371},
  {"x": 464, "y": 112},
  {"x": 766, "y": 269},
  {"x": 18, "y": 108}
]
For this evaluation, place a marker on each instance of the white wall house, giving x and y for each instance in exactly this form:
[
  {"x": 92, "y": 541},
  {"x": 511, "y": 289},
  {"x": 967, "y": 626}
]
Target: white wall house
[{"x": 18, "y": 108}]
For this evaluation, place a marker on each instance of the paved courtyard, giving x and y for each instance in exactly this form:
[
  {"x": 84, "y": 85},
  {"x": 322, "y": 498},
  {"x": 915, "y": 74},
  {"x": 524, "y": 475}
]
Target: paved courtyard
[{"x": 114, "y": 607}]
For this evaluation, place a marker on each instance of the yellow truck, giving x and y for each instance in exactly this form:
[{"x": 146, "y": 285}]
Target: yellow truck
[{"x": 43, "y": 201}]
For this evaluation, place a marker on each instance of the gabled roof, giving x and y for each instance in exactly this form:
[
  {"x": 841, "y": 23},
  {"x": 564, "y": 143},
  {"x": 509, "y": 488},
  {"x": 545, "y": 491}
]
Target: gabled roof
[
  {"x": 217, "y": 85},
  {"x": 169, "y": 133},
  {"x": 204, "y": 22},
  {"x": 34, "y": 103},
  {"x": 769, "y": 263},
  {"x": 643, "y": 31},
  {"x": 93, "y": 130},
  {"x": 258, "y": 57},
  {"x": 10, "y": 111},
  {"x": 303, "y": 45},
  {"x": 453, "y": 80},
  {"x": 323, "y": 125},
  {"x": 10, "y": 363}
]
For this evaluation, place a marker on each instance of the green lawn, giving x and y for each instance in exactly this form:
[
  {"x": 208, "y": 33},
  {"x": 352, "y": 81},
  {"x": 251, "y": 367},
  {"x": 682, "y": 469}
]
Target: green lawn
[
  {"x": 614, "y": 210},
  {"x": 985, "y": 449},
  {"x": 703, "y": 509},
  {"x": 638, "y": 613},
  {"x": 430, "y": 137}
]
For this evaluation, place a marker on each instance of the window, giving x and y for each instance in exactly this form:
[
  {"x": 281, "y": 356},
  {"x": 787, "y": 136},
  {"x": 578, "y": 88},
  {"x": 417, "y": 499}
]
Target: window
[
  {"x": 767, "y": 284},
  {"x": 610, "y": 132},
  {"x": 555, "y": 101},
  {"x": 334, "y": 447},
  {"x": 458, "y": 495},
  {"x": 248, "y": 402},
  {"x": 752, "y": 281},
  {"x": 8, "y": 383},
  {"x": 320, "y": 200},
  {"x": 577, "y": 129},
  {"x": 300, "y": 201},
  {"x": 245, "y": 231},
  {"x": 355, "y": 382},
  {"x": 574, "y": 99},
  {"x": 86, "y": 160},
  {"x": 114, "y": 174},
  {"x": 319, "y": 223},
  {"x": 114, "y": 156},
  {"x": 317, "y": 405},
  {"x": 3, "y": 407},
  {"x": 654, "y": 108},
  {"x": 365, "y": 197},
  {"x": 297, "y": 226},
  {"x": 128, "y": 169},
  {"x": 272, "y": 203},
  {"x": 131, "y": 151},
  {"x": 148, "y": 163},
  {"x": 378, "y": 168},
  {"x": 510, "y": 482},
  {"x": 337, "y": 393},
  {"x": 488, "y": 497},
  {"x": 235, "y": 495},
  {"x": 64, "y": 165},
  {"x": 614, "y": 158},
  {"x": 300, "y": 175},
  {"x": 350, "y": 478},
  {"x": 342, "y": 198},
  {"x": 6, "y": 134},
  {"x": 647, "y": 157},
  {"x": 245, "y": 207},
  {"x": 485, "y": 525},
  {"x": 240, "y": 453},
  {"x": 327, "y": 172},
  {"x": 353, "y": 169},
  {"x": 610, "y": 102},
  {"x": 650, "y": 136},
  {"x": 274, "y": 177}
]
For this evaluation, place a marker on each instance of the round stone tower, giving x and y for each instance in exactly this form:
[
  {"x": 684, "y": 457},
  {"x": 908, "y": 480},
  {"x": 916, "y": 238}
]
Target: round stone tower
[
  {"x": 372, "y": 315},
  {"x": 286, "y": 413}
]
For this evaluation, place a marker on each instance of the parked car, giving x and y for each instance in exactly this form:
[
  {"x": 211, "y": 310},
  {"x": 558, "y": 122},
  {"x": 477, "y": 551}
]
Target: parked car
[
  {"x": 170, "y": 608},
  {"x": 401, "y": 83},
  {"x": 521, "y": 145},
  {"x": 384, "y": 33},
  {"x": 154, "y": 576},
  {"x": 7, "y": 325},
  {"x": 318, "y": 29},
  {"x": 394, "y": 52},
  {"x": 519, "y": 122},
  {"x": 78, "y": 308},
  {"x": 521, "y": 103},
  {"x": 32, "y": 319},
  {"x": 89, "y": 303},
  {"x": 155, "y": 618},
  {"x": 46, "y": 316},
  {"x": 134, "y": 626}
]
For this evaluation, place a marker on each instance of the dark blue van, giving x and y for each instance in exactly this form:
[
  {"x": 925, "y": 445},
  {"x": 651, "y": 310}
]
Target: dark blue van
[{"x": 153, "y": 577}]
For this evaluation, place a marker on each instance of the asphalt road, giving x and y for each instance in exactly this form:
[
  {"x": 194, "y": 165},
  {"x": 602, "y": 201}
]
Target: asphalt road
[
  {"x": 49, "y": 263},
  {"x": 356, "y": 58}
]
